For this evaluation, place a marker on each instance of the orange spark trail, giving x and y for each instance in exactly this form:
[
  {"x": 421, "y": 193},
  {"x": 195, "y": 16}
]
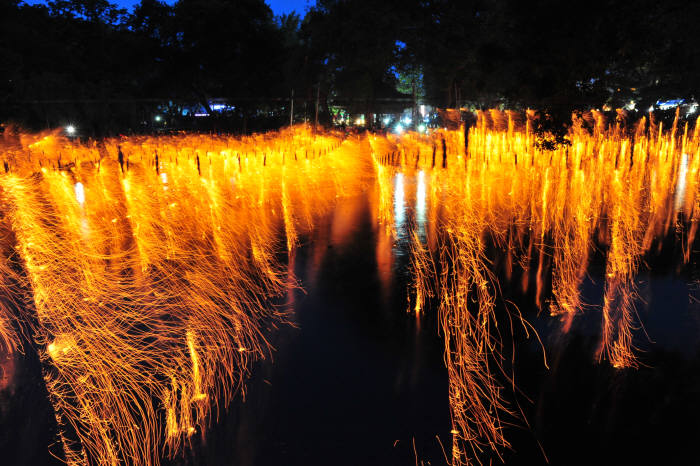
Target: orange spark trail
[
  {"x": 610, "y": 189},
  {"x": 146, "y": 269},
  {"x": 153, "y": 266}
]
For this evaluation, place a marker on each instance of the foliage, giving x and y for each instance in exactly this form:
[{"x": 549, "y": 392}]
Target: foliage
[{"x": 89, "y": 59}]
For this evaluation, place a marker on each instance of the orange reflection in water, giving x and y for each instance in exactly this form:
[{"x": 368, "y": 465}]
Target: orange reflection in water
[
  {"x": 152, "y": 264},
  {"x": 613, "y": 189}
]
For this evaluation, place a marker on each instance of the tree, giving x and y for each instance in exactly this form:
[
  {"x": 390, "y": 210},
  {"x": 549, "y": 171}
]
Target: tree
[
  {"x": 355, "y": 42},
  {"x": 229, "y": 49}
]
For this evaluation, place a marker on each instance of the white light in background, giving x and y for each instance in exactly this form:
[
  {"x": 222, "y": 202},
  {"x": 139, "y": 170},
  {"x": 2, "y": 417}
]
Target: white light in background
[
  {"x": 398, "y": 129},
  {"x": 70, "y": 129}
]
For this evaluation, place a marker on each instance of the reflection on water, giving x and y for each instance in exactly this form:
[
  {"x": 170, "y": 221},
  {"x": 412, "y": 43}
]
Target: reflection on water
[
  {"x": 7, "y": 373},
  {"x": 150, "y": 307},
  {"x": 420, "y": 204},
  {"x": 399, "y": 206},
  {"x": 551, "y": 213},
  {"x": 681, "y": 184}
]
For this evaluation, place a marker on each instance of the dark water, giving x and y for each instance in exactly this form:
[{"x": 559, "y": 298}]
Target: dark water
[{"x": 359, "y": 381}]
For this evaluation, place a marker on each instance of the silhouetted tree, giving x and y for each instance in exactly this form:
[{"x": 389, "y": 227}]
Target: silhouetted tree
[{"x": 92, "y": 61}]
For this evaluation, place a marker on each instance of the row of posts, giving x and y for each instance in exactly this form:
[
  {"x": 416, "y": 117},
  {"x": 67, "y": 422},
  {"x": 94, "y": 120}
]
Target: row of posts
[
  {"x": 395, "y": 158},
  {"x": 291, "y": 107}
]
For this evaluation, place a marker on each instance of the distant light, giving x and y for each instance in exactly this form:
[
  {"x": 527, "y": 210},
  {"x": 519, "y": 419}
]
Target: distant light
[
  {"x": 667, "y": 104},
  {"x": 693, "y": 108},
  {"x": 158, "y": 118},
  {"x": 398, "y": 129},
  {"x": 386, "y": 120},
  {"x": 421, "y": 128},
  {"x": 631, "y": 105},
  {"x": 79, "y": 191},
  {"x": 650, "y": 109},
  {"x": 201, "y": 114},
  {"x": 70, "y": 129},
  {"x": 407, "y": 120}
]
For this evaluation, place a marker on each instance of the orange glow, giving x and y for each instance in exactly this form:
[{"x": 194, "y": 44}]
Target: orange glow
[
  {"x": 152, "y": 264},
  {"x": 149, "y": 267},
  {"x": 609, "y": 190}
]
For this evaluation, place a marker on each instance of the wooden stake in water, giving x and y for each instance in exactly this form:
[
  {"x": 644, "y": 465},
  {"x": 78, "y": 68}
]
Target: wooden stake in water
[{"x": 291, "y": 109}]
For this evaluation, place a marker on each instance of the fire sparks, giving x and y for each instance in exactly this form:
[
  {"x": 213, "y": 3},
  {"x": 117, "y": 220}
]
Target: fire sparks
[
  {"x": 152, "y": 303},
  {"x": 611, "y": 190},
  {"x": 147, "y": 269}
]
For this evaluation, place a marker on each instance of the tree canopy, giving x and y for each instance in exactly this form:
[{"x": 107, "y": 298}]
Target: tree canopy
[{"x": 81, "y": 57}]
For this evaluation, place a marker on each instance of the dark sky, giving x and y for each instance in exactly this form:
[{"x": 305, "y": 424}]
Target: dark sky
[{"x": 278, "y": 6}]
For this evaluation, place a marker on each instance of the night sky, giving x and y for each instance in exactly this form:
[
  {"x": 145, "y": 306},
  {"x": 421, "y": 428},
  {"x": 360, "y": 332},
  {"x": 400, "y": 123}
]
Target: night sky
[{"x": 278, "y": 6}]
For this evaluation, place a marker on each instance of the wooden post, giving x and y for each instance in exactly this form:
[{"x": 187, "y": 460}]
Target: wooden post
[
  {"x": 318, "y": 92},
  {"x": 291, "y": 109},
  {"x": 444, "y": 153}
]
